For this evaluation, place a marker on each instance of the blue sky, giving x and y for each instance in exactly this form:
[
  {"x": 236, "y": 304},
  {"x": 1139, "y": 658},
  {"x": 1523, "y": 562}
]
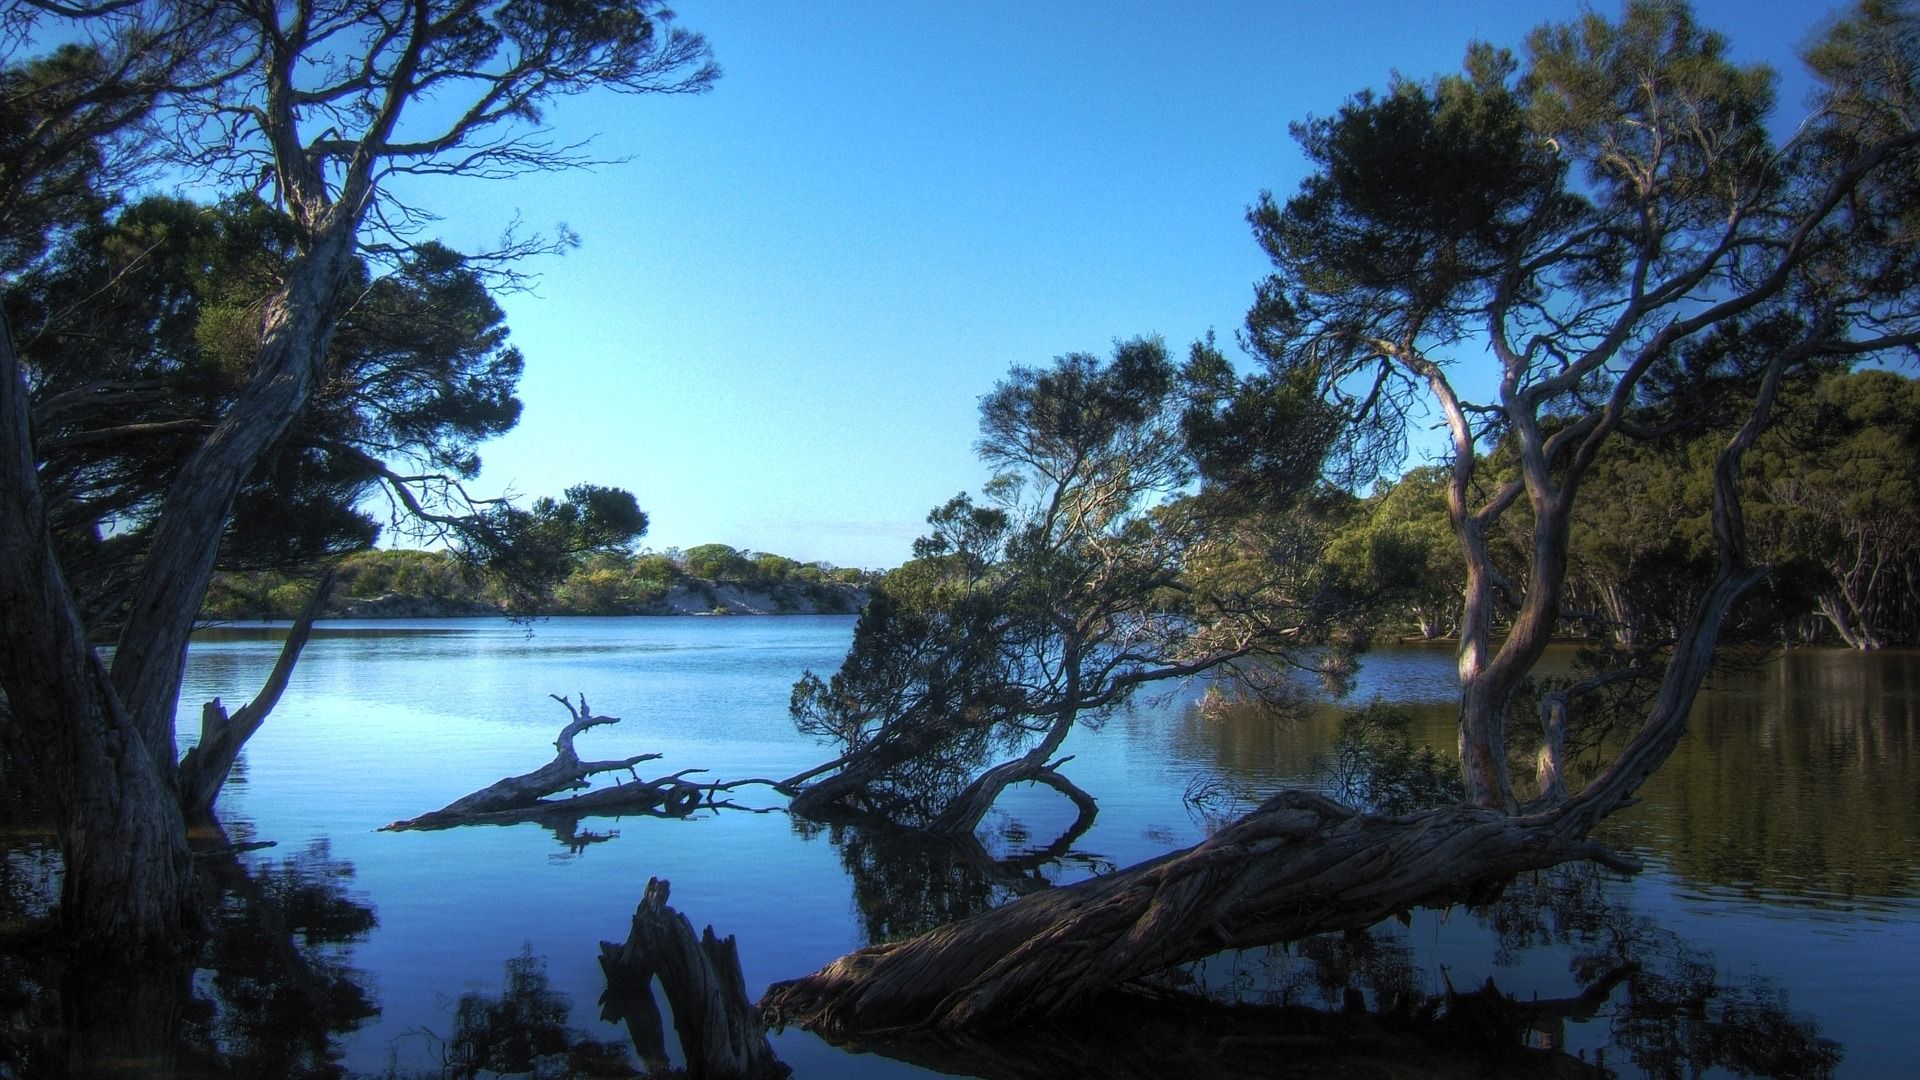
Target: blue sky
[{"x": 790, "y": 299}]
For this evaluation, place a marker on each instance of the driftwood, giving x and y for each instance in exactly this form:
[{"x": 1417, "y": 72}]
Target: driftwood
[
  {"x": 522, "y": 798},
  {"x": 720, "y": 1034},
  {"x": 1298, "y": 865}
]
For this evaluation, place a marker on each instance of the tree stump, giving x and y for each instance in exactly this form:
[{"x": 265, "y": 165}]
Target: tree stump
[{"x": 720, "y": 1032}]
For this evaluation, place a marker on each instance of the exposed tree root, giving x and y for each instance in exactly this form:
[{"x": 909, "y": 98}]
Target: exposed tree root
[{"x": 1298, "y": 865}]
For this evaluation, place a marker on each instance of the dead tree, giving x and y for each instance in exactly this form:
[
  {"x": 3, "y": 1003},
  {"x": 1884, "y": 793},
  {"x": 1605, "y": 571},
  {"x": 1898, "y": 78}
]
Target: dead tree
[
  {"x": 523, "y": 797},
  {"x": 720, "y": 1034},
  {"x": 204, "y": 768}
]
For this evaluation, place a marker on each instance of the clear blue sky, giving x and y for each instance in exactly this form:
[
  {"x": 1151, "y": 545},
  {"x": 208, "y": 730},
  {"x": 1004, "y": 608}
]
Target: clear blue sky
[{"x": 789, "y": 301}]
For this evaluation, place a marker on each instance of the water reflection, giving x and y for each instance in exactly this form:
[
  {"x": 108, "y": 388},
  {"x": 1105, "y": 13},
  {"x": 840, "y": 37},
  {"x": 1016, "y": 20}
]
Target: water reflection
[
  {"x": 1799, "y": 781},
  {"x": 524, "y": 1030},
  {"x": 907, "y": 881},
  {"x": 269, "y": 993}
]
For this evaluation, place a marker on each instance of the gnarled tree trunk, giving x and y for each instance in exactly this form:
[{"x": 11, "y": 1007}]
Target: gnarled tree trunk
[
  {"x": 1299, "y": 865},
  {"x": 126, "y": 880}
]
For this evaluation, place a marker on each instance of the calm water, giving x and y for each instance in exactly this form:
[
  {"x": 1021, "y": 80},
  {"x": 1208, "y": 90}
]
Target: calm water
[{"x": 1783, "y": 841}]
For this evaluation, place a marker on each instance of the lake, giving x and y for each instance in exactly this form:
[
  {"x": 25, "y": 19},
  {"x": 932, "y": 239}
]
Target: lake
[{"x": 1777, "y": 923}]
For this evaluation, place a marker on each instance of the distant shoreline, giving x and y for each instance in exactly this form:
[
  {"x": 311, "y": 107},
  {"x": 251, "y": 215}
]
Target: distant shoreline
[{"x": 686, "y": 597}]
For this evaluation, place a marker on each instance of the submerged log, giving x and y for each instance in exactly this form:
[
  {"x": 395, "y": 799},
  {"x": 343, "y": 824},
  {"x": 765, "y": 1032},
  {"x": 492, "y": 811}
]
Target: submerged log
[
  {"x": 720, "y": 1034},
  {"x": 1298, "y": 865},
  {"x": 522, "y": 798}
]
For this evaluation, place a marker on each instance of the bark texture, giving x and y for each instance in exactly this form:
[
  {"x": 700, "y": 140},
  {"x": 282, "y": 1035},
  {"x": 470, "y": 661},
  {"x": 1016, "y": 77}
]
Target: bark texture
[
  {"x": 719, "y": 1032},
  {"x": 127, "y": 872},
  {"x": 1298, "y": 865}
]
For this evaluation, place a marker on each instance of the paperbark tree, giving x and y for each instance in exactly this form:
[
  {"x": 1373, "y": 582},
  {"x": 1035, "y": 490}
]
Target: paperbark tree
[
  {"x": 321, "y": 105},
  {"x": 1611, "y": 236},
  {"x": 1444, "y": 222}
]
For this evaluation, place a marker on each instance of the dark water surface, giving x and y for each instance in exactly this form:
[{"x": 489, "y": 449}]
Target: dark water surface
[{"x": 1777, "y": 925}]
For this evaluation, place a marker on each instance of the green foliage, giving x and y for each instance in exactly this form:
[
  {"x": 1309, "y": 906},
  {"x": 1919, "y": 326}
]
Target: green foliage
[
  {"x": 1398, "y": 552},
  {"x": 1048, "y": 604},
  {"x": 1839, "y": 504},
  {"x": 418, "y": 370},
  {"x": 598, "y": 581},
  {"x": 717, "y": 562},
  {"x": 1375, "y": 765}
]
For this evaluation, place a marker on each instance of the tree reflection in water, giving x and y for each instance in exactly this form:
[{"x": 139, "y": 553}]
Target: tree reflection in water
[
  {"x": 524, "y": 1030},
  {"x": 907, "y": 881},
  {"x": 1361, "y": 1004},
  {"x": 267, "y": 995},
  {"x": 273, "y": 990}
]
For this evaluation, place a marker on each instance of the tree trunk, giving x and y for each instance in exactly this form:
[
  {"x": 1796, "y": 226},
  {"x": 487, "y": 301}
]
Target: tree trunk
[
  {"x": 204, "y": 769},
  {"x": 720, "y": 1034},
  {"x": 127, "y": 875},
  {"x": 296, "y": 327},
  {"x": 1298, "y": 865},
  {"x": 1839, "y": 612},
  {"x": 964, "y": 812}
]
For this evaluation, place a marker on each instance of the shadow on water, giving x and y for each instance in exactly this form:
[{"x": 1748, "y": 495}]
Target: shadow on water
[
  {"x": 1351, "y": 1005},
  {"x": 274, "y": 987},
  {"x": 268, "y": 994}
]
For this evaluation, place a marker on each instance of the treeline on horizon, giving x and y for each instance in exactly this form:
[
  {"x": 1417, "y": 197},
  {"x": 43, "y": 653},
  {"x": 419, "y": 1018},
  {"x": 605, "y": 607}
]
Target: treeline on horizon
[
  {"x": 413, "y": 582},
  {"x": 1832, "y": 505}
]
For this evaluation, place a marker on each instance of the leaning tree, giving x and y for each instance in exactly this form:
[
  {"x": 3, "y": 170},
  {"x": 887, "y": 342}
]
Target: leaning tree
[
  {"x": 1047, "y": 609},
  {"x": 1587, "y": 251},
  {"x": 1597, "y": 241},
  {"x": 321, "y": 107}
]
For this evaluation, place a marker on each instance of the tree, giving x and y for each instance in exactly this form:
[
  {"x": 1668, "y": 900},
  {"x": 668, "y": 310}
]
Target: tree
[
  {"x": 1399, "y": 552},
  {"x": 716, "y": 562},
  {"x": 135, "y": 337},
  {"x": 1018, "y": 620},
  {"x": 321, "y": 106},
  {"x": 1612, "y": 230},
  {"x": 1844, "y": 503}
]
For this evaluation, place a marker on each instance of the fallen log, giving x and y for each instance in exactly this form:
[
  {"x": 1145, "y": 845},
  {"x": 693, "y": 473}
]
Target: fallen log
[
  {"x": 522, "y": 798},
  {"x": 720, "y": 1034},
  {"x": 1298, "y": 865}
]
